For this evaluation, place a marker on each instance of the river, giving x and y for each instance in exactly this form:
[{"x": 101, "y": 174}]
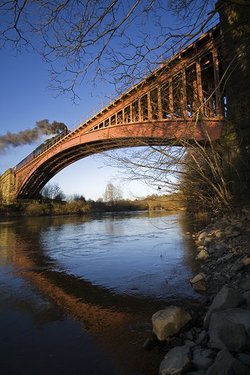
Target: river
[{"x": 77, "y": 294}]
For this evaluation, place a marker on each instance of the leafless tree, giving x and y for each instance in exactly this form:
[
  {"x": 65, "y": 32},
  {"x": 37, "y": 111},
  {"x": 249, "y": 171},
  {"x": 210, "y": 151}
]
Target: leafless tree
[
  {"x": 52, "y": 192},
  {"x": 120, "y": 40},
  {"x": 197, "y": 170},
  {"x": 112, "y": 193}
]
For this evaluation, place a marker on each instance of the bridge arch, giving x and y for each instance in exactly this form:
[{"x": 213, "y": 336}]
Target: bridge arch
[
  {"x": 180, "y": 100},
  {"x": 32, "y": 177}
]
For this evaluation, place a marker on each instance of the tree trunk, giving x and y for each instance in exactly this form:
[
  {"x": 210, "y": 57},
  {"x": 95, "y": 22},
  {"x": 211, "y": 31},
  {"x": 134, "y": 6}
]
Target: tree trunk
[{"x": 235, "y": 25}]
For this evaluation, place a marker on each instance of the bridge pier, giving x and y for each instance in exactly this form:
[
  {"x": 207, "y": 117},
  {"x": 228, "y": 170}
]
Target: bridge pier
[{"x": 7, "y": 186}]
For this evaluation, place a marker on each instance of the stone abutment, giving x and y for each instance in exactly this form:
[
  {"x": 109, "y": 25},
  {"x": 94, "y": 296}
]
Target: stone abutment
[{"x": 7, "y": 186}]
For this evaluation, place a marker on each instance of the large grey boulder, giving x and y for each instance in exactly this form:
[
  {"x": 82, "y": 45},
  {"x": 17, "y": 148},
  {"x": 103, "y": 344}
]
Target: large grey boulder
[
  {"x": 228, "y": 329},
  {"x": 202, "y": 358},
  {"x": 226, "y": 364},
  {"x": 243, "y": 358},
  {"x": 169, "y": 321},
  {"x": 226, "y": 298},
  {"x": 177, "y": 361}
]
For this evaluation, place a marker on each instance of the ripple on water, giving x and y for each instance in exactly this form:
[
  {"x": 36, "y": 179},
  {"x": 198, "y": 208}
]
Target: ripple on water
[{"x": 132, "y": 256}]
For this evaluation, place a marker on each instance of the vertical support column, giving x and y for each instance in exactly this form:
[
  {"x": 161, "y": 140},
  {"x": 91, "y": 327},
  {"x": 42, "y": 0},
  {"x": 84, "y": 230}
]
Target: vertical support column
[
  {"x": 217, "y": 82},
  {"x": 159, "y": 103},
  {"x": 130, "y": 113},
  {"x": 195, "y": 102},
  {"x": 149, "y": 106},
  {"x": 171, "y": 98},
  {"x": 127, "y": 114},
  {"x": 144, "y": 107},
  {"x": 107, "y": 122},
  {"x": 199, "y": 87},
  {"x": 184, "y": 95},
  {"x": 139, "y": 110}
]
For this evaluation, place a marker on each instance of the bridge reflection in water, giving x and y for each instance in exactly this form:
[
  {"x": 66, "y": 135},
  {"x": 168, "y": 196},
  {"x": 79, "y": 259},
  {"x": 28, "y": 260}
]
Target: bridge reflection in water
[{"x": 118, "y": 323}]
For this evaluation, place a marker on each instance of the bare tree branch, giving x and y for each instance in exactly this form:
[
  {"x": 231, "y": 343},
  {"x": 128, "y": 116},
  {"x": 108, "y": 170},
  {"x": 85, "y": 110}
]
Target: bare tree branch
[{"x": 119, "y": 40}]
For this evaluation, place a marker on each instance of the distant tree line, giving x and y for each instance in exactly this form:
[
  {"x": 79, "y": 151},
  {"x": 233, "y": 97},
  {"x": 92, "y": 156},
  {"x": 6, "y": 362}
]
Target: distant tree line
[{"x": 52, "y": 201}]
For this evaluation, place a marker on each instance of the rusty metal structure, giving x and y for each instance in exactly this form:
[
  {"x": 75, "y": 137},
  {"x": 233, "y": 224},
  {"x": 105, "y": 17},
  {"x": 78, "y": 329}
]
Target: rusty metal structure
[{"x": 180, "y": 100}]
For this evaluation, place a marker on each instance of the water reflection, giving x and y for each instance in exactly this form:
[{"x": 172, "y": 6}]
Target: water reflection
[{"x": 40, "y": 275}]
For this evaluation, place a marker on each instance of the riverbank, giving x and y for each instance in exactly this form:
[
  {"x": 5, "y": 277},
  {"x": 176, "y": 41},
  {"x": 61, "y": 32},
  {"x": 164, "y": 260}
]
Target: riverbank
[
  {"x": 78, "y": 205},
  {"x": 217, "y": 337}
]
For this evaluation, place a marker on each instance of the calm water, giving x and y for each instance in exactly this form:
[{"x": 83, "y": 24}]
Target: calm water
[{"x": 77, "y": 294}]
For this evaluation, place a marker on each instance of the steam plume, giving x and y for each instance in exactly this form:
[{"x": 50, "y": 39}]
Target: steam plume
[{"x": 30, "y": 135}]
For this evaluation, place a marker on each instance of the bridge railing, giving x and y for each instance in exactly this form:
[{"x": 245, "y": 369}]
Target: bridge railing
[
  {"x": 193, "y": 92},
  {"x": 187, "y": 86}
]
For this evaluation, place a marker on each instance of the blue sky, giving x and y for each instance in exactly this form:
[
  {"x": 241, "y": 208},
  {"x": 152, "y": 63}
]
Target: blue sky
[{"x": 25, "y": 98}]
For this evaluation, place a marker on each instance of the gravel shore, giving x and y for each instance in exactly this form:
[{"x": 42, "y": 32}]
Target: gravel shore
[{"x": 216, "y": 339}]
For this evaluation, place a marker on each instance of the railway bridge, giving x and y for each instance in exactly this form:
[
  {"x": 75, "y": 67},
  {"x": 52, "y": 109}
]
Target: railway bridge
[{"x": 180, "y": 100}]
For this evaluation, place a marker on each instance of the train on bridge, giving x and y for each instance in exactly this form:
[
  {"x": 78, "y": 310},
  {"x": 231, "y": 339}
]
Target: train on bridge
[{"x": 41, "y": 148}]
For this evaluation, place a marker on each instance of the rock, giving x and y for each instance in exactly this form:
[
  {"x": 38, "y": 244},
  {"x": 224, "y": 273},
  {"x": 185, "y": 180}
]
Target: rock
[
  {"x": 202, "y": 255},
  {"x": 246, "y": 211},
  {"x": 231, "y": 232},
  {"x": 218, "y": 233},
  {"x": 202, "y": 338},
  {"x": 226, "y": 364},
  {"x": 241, "y": 263},
  {"x": 169, "y": 321},
  {"x": 225, "y": 298},
  {"x": 246, "y": 296},
  {"x": 245, "y": 285},
  {"x": 199, "y": 248},
  {"x": 207, "y": 242},
  {"x": 176, "y": 361},
  {"x": 225, "y": 258},
  {"x": 228, "y": 329},
  {"x": 202, "y": 236},
  {"x": 190, "y": 334},
  {"x": 199, "y": 282},
  {"x": 244, "y": 358},
  {"x": 216, "y": 248},
  {"x": 202, "y": 358},
  {"x": 237, "y": 266},
  {"x": 189, "y": 343},
  {"x": 246, "y": 261},
  {"x": 224, "y": 335}
]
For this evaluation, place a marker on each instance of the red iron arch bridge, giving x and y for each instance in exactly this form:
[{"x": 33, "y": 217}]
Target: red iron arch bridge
[{"x": 180, "y": 100}]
